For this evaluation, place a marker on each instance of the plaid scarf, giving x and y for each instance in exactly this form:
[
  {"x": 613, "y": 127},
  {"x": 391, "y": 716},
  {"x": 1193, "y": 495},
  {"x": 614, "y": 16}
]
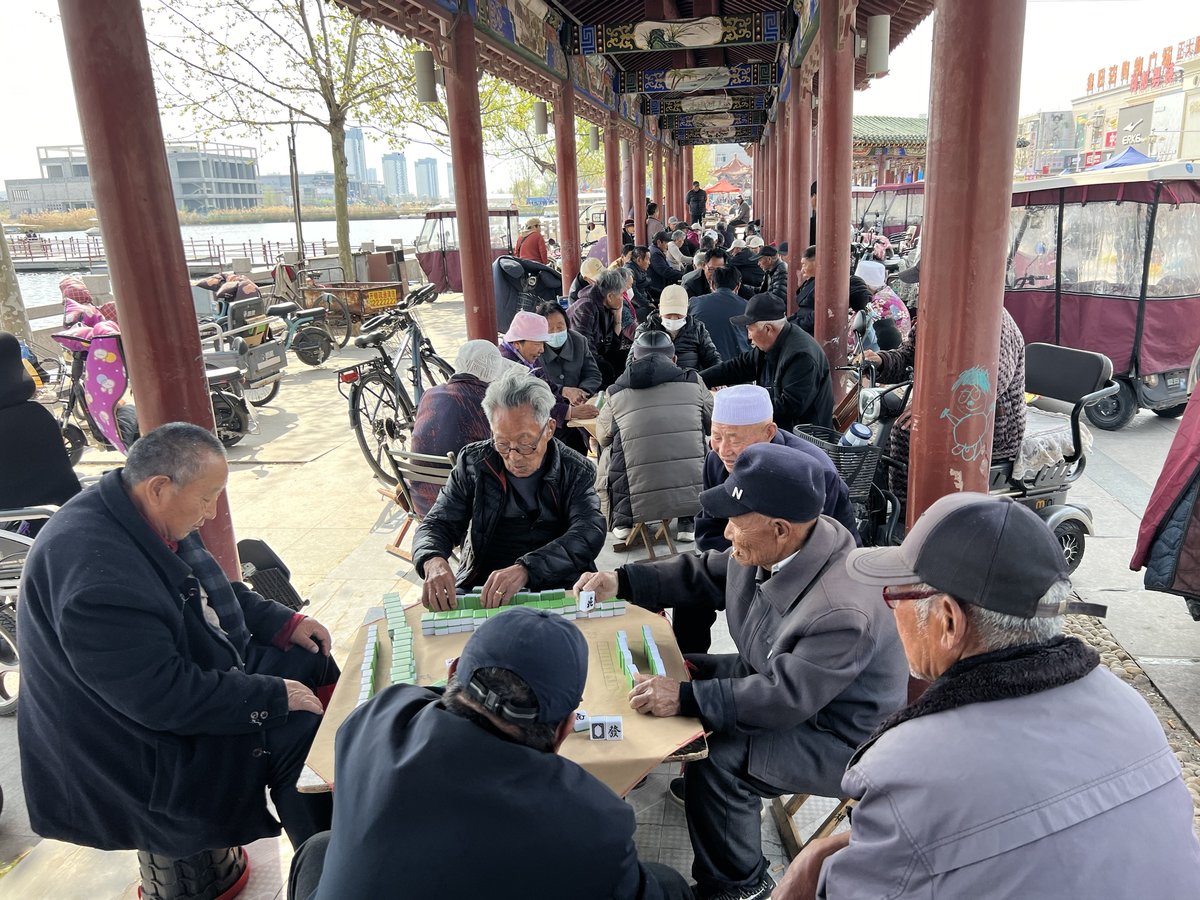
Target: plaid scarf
[{"x": 216, "y": 585}]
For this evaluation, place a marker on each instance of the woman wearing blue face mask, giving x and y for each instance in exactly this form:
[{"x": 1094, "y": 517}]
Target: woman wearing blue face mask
[{"x": 569, "y": 366}]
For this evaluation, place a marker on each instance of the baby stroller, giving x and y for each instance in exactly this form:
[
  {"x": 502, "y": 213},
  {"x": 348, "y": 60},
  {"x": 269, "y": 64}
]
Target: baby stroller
[{"x": 520, "y": 285}]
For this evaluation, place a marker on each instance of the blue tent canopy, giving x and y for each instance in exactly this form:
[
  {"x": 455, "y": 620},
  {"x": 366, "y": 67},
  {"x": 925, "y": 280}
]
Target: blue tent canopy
[{"x": 1130, "y": 156}]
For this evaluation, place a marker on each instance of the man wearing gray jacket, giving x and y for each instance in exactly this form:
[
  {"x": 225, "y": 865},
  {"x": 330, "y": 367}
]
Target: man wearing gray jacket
[
  {"x": 1027, "y": 770},
  {"x": 819, "y": 665}
]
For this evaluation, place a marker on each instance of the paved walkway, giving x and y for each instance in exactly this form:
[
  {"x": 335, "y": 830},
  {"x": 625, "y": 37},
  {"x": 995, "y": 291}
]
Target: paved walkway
[{"x": 302, "y": 485}]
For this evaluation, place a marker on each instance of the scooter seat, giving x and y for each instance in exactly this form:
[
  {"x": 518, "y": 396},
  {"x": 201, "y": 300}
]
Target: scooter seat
[
  {"x": 287, "y": 307},
  {"x": 370, "y": 339},
  {"x": 224, "y": 373}
]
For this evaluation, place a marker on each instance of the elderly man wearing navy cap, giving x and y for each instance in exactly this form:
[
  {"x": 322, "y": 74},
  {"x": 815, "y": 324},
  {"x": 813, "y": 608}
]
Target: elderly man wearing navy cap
[
  {"x": 741, "y": 418},
  {"x": 784, "y": 360},
  {"x": 818, "y": 667},
  {"x": 1026, "y": 769},
  {"x": 463, "y": 793}
]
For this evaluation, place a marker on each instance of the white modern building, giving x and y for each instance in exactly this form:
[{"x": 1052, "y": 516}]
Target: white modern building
[
  {"x": 395, "y": 174},
  {"x": 427, "y": 179}
]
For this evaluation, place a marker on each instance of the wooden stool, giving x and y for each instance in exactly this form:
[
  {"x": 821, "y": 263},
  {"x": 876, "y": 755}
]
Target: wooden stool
[
  {"x": 784, "y": 808},
  {"x": 641, "y": 531}
]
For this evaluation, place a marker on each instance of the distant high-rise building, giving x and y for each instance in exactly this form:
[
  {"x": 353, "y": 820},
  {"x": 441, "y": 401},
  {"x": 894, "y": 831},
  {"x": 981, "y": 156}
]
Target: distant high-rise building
[
  {"x": 450, "y": 180},
  {"x": 395, "y": 174},
  {"x": 427, "y": 179},
  {"x": 356, "y": 155},
  {"x": 373, "y": 176}
]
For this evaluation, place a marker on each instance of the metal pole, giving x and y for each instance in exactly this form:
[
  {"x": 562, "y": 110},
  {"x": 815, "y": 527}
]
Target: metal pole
[
  {"x": 567, "y": 168},
  {"x": 470, "y": 181},
  {"x": 800, "y": 117},
  {"x": 118, "y": 114},
  {"x": 834, "y": 172},
  {"x": 639, "y": 189},
  {"x": 294, "y": 171},
  {"x": 612, "y": 189},
  {"x": 972, "y": 140}
]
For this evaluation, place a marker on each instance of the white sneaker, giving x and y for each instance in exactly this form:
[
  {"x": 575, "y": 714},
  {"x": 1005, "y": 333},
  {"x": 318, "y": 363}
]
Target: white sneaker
[
  {"x": 685, "y": 537},
  {"x": 621, "y": 533}
]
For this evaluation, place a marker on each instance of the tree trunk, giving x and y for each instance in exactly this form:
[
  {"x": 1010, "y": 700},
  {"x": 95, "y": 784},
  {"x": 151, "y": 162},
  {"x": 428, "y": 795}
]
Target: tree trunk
[
  {"x": 341, "y": 188},
  {"x": 13, "y": 317}
]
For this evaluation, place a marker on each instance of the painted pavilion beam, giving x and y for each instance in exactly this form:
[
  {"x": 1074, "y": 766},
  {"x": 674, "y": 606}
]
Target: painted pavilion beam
[{"x": 673, "y": 33}]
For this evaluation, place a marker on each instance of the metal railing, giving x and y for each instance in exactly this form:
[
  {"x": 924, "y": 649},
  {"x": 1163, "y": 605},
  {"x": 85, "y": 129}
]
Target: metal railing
[{"x": 87, "y": 250}]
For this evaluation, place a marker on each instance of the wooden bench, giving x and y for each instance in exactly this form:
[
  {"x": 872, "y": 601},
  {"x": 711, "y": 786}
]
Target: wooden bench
[{"x": 785, "y": 808}]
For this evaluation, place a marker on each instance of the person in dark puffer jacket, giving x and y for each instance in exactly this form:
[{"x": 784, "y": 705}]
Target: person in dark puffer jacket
[
  {"x": 652, "y": 430},
  {"x": 694, "y": 347}
]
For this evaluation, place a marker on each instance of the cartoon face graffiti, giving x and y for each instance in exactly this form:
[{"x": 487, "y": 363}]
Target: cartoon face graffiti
[{"x": 968, "y": 413}]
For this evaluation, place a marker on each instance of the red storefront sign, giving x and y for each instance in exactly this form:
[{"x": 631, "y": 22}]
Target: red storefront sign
[{"x": 1110, "y": 140}]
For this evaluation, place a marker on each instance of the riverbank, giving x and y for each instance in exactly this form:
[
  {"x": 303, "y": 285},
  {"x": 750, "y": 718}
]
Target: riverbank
[{"x": 83, "y": 219}]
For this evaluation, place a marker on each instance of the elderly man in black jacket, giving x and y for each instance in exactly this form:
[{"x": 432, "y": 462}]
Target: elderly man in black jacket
[
  {"x": 159, "y": 699},
  {"x": 522, "y": 505},
  {"x": 818, "y": 665},
  {"x": 478, "y": 765},
  {"x": 776, "y": 270},
  {"x": 661, "y": 271},
  {"x": 784, "y": 360}
]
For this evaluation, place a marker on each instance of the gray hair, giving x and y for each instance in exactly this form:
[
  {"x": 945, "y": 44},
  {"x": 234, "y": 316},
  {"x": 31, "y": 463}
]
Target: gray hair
[
  {"x": 517, "y": 388},
  {"x": 178, "y": 450},
  {"x": 512, "y": 690},
  {"x": 996, "y": 631},
  {"x": 612, "y": 281}
]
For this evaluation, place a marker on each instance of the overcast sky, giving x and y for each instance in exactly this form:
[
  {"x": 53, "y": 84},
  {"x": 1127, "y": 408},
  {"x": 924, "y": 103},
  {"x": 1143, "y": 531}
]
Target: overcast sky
[{"x": 1064, "y": 40}]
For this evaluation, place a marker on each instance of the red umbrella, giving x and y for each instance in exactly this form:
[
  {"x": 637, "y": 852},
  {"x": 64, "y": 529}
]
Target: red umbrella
[{"x": 723, "y": 187}]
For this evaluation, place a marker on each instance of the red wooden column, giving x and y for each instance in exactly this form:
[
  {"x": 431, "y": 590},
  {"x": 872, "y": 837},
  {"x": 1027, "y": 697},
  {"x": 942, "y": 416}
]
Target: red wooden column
[
  {"x": 779, "y": 228},
  {"x": 612, "y": 189},
  {"x": 567, "y": 170},
  {"x": 972, "y": 135},
  {"x": 118, "y": 114},
  {"x": 470, "y": 181},
  {"x": 656, "y": 183},
  {"x": 755, "y": 181},
  {"x": 638, "y": 163},
  {"x": 799, "y": 144},
  {"x": 834, "y": 174},
  {"x": 626, "y": 180}
]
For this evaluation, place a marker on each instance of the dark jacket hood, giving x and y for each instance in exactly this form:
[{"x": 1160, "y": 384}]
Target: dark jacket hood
[{"x": 651, "y": 371}]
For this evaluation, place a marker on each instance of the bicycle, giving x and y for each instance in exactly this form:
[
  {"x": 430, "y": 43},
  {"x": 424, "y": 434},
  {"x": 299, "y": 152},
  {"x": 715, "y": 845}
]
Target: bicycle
[
  {"x": 381, "y": 408},
  {"x": 287, "y": 288}
]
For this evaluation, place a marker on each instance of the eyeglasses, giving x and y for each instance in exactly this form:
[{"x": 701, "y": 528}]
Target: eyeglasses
[
  {"x": 504, "y": 448},
  {"x": 892, "y": 597}
]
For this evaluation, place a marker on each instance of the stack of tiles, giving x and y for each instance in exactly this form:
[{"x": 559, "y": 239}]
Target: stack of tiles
[
  {"x": 369, "y": 657},
  {"x": 624, "y": 660},
  {"x": 650, "y": 649},
  {"x": 470, "y": 613},
  {"x": 404, "y": 668}
]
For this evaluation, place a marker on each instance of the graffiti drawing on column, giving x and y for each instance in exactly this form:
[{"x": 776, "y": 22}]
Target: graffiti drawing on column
[{"x": 968, "y": 413}]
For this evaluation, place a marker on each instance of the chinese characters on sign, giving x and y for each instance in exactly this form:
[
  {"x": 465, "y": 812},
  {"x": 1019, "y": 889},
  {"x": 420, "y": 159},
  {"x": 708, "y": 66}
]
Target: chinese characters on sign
[{"x": 1146, "y": 74}]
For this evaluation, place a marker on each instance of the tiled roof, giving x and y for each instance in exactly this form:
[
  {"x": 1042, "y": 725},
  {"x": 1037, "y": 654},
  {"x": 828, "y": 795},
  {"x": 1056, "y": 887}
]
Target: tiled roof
[{"x": 891, "y": 130}]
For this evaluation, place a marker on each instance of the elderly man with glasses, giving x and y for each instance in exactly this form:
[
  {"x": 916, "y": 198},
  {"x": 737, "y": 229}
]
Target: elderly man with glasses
[{"x": 522, "y": 505}]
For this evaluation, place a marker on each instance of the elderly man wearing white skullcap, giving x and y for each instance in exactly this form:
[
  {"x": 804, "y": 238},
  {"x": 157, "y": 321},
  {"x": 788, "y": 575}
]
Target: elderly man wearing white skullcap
[{"x": 742, "y": 417}]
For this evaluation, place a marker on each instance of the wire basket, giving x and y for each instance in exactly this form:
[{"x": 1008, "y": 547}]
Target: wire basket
[{"x": 856, "y": 465}]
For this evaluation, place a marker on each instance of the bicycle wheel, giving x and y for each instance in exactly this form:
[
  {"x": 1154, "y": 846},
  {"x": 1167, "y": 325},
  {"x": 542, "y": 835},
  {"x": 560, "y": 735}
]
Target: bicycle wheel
[
  {"x": 76, "y": 442},
  {"x": 379, "y": 416},
  {"x": 435, "y": 370},
  {"x": 10, "y": 662},
  {"x": 261, "y": 396},
  {"x": 337, "y": 318}
]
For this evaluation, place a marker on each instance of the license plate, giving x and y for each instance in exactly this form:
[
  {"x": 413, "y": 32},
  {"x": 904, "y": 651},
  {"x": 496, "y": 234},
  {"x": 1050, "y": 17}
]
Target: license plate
[
  {"x": 1174, "y": 381},
  {"x": 381, "y": 298}
]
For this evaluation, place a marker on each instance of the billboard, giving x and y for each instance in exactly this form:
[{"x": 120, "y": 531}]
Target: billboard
[
  {"x": 1133, "y": 127},
  {"x": 1166, "y": 126},
  {"x": 1189, "y": 146}
]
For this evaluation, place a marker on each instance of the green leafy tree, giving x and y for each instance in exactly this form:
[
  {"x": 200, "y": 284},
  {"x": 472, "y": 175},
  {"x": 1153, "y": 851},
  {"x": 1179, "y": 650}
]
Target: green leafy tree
[{"x": 233, "y": 65}]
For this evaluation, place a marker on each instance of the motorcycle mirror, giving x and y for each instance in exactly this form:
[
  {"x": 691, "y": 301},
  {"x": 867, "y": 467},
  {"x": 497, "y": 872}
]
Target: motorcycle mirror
[{"x": 859, "y": 325}]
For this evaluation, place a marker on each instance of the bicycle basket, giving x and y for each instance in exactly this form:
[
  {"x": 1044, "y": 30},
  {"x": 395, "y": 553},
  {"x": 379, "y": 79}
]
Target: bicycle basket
[{"x": 856, "y": 465}]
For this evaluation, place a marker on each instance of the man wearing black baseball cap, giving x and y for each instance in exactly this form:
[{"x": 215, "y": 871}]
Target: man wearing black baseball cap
[
  {"x": 818, "y": 667},
  {"x": 1026, "y": 766},
  {"x": 771, "y": 262},
  {"x": 785, "y": 360},
  {"x": 463, "y": 794}
]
